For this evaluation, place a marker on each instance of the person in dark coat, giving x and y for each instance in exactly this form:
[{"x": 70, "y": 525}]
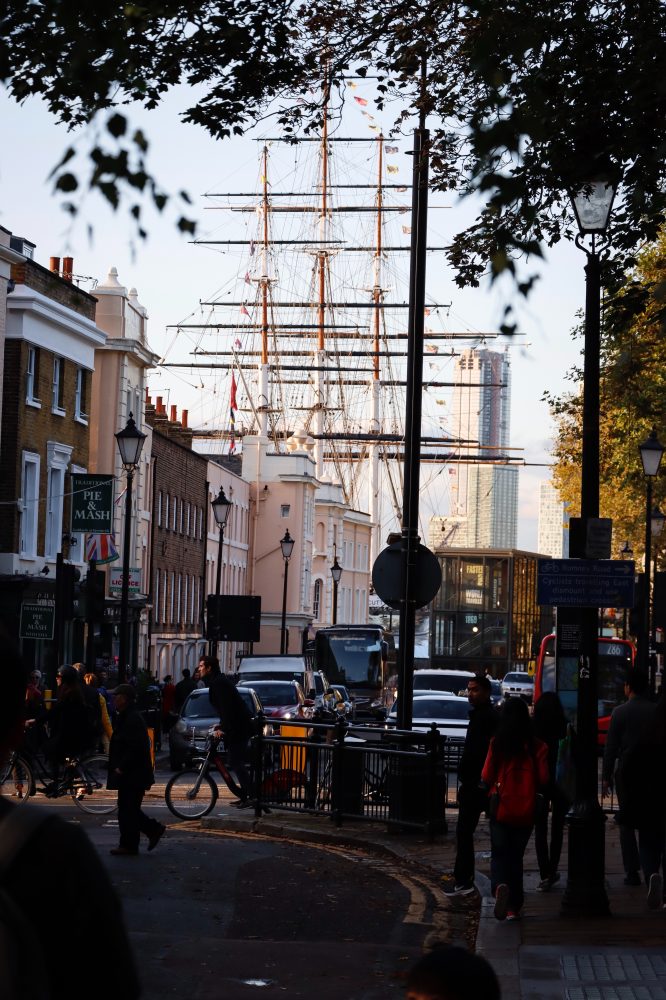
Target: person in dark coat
[
  {"x": 550, "y": 726},
  {"x": 235, "y": 720},
  {"x": 182, "y": 689},
  {"x": 58, "y": 882},
  {"x": 131, "y": 772},
  {"x": 472, "y": 799}
]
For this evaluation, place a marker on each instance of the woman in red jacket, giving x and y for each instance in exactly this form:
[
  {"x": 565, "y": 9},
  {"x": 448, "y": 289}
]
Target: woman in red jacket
[{"x": 515, "y": 771}]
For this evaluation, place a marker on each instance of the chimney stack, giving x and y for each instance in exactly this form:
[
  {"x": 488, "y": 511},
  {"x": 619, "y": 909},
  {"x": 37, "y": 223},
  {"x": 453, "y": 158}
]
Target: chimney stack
[
  {"x": 183, "y": 418},
  {"x": 174, "y": 414},
  {"x": 54, "y": 264},
  {"x": 67, "y": 268}
]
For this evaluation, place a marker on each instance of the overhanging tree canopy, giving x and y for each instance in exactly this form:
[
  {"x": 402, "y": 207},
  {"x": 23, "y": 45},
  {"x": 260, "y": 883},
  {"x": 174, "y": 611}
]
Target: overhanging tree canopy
[{"x": 525, "y": 100}]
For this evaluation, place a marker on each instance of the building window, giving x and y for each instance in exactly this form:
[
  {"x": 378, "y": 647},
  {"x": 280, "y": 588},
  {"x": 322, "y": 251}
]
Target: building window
[
  {"x": 77, "y": 541},
  {"x": 316, "y": 600},
  {"x": 192, "y": 618},
  {"x": 159, "y": 509},
  {"x": 172, "y": 598},
  {"x": 200, "y": 523},
  {"x": 30, "y": 504},
  {"x": 179, "y": 606},
  {"x": 58, "y": 456},
  {"x": 188, "y": 518},
  {"x": 284, "y": 510},
  {"x": 186, "y": 617},
  {"x": 156, "y": 597},
  {"x": 166, "y": 510},
  {"x": 182, "y": 516},
  {"x": 174, "y": 511},
  {"x": 80, "y": 401},
  {"x": 58, "y": 391},
  {"x": 165, "y": 584},
  {"x": 32, "y": 378}
]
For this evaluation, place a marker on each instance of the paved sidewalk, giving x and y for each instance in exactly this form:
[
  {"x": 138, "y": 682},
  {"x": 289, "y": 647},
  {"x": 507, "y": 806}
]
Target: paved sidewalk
[{"x": 545, "y": 955}]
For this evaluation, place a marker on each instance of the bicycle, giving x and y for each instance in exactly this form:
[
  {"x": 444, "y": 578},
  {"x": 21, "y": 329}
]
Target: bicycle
[
  {"x": 83, "y": 778},
  {"x": 192, "y": 794}
]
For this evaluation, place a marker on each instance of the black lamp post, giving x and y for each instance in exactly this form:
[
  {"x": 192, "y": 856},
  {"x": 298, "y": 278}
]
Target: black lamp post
[
  {"x": 221, "y": 508},
  {"x": 626, "y": 552},
  {"x": 130, "y": 442},
  {"x": 651, "y": 452},
  {"x": 585, "y": 892},
  {"x": 287, "y": 545},
  {"x": 336, "y": 573}
]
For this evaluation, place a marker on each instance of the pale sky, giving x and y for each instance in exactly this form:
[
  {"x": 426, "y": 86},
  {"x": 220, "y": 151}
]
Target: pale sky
[{"x": 172, "y": 276}]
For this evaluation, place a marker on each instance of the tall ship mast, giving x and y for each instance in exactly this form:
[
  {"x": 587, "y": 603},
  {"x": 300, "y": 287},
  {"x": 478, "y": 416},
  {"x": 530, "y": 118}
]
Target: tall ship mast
[{"x": 313, "y": 346}]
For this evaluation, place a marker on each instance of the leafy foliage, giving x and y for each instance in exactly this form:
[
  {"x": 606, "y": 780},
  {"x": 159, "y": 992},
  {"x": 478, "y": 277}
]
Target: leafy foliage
[
  {"x": 526, "y": 101},
  {"x": 633, "y": 400}
]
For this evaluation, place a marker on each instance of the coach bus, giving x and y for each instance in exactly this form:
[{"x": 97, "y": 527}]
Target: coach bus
[
  {"x": 356, "y": 656},
  {"x": 615, "y": 656}
]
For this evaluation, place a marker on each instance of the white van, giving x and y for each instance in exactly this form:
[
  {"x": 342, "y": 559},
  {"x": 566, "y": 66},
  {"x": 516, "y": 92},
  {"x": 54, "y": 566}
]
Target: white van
[
  {"x": 276, "y": 668},
  {"x": 453, "y": 681}
]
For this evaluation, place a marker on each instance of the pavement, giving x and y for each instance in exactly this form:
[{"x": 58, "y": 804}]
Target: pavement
[{"x": 545, "y": 955}]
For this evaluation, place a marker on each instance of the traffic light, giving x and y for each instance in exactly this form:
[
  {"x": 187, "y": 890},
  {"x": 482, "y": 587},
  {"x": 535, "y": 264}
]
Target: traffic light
[{"x": 95, "y": 594}]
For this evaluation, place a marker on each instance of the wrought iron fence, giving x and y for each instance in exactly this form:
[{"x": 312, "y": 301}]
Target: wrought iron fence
[{"x": 402, "y": 779}]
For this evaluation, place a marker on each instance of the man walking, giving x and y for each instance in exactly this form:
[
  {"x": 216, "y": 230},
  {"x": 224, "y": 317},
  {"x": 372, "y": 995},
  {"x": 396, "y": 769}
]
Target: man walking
[
  {"x": 131, "y": 772},
  {"x": 472, "y": 799},
  {"x": 235, "y": 720},
  {"x": 630, "y": 728}
]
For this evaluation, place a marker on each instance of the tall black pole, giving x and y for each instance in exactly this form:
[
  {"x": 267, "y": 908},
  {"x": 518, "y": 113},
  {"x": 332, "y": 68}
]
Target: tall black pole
[
  {"x": 283, "y": 628},
  {"x": 218, "y": 582},
  {"x": 585, "y": 893},
  {"x": 335, "y": 602},
  {"x": 123, "y": 646},
  {"x": 644, "y": 645},
  {"x": 90, "y": 615},
  {"x": 410, "y": 510}
]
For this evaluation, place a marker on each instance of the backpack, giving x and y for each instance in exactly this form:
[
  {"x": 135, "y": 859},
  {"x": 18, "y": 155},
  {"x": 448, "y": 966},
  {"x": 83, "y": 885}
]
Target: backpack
[
  {"x": 514, "y": 794},
  {"x": 23, "y": 974}
]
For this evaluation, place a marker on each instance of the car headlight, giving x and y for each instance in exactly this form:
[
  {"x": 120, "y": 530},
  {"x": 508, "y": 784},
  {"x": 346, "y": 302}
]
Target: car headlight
[
  {"x": 288, "y": 715},
  {"x": 180, "y": 726}
]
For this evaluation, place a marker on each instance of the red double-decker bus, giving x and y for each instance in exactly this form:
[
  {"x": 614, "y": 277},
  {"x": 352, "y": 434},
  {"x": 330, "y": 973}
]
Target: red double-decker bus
[{"x": 615, "y": 656}]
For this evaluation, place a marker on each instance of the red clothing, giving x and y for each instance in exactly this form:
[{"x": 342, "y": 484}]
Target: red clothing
[
  {"x": 34, "y": 701},
  {"x": 518, "y": 779},
  {"x": 168, "y": 699}
]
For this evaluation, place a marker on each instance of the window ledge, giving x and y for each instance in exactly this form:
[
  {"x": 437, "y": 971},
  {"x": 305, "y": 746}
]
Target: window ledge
[
  {"x": 57, "y": 412},
  {"x": 33, "y": 402},
  {"x": 81, "y": 418}
]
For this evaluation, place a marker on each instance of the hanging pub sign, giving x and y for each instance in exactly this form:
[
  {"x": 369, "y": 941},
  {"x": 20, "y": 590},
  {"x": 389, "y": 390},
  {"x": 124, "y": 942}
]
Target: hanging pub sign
[
  {"x": 92, "y": 503},
  {"x": 37, "y": 620}
]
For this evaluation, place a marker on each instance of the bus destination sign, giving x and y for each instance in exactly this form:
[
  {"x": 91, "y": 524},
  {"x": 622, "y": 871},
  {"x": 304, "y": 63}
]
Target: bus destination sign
[{"x": 585, "y": 583}]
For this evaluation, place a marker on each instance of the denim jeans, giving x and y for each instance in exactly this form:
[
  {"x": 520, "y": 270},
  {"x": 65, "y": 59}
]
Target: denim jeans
[{"x": 507, "y": 848}]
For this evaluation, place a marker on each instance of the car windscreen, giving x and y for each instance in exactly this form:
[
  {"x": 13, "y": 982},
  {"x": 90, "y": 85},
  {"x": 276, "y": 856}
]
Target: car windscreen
[
  {"x": 276, "y": 694},
  {"x": 441, "y": 682},
  {"x": 198, "y": 706},
  {"x": 439, "y": 708}
]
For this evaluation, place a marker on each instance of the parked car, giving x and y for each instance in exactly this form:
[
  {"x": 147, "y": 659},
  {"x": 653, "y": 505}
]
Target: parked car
[
  {"x": 518, "y": 684},
  {"x": 495, "y": 692},
  {"x": 196, "y": 717},
  {"x": 282, "y": 700},
  {"x": 449, "y": 712},
  {"x": 285, "y": 668}
]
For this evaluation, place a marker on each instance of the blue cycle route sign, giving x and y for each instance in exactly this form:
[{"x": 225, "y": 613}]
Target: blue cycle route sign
[{"x": 585, "y": 583}]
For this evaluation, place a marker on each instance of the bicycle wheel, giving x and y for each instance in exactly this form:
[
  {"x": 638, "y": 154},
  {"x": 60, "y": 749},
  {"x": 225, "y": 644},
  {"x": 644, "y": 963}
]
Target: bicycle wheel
[
  {"x": 16, "y": 779},
  {"x": 88, "y": 786},
  {"x": 182, "y": 799}
]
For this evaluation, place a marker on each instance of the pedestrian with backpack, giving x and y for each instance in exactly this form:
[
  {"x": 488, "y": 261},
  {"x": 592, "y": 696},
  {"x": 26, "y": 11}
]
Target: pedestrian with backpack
[{"x": 515, "y": 772}]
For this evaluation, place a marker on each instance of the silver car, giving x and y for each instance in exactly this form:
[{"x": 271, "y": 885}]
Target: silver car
[{"x": 518, "y": 684}]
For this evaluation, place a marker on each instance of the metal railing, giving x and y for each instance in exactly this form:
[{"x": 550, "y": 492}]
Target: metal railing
[{"x": 368, "y": 773}]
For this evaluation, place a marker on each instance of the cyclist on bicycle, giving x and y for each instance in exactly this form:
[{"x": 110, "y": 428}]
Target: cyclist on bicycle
[
  {"x": 71, "y": 729},
  {"x": 235, "y": 720}
]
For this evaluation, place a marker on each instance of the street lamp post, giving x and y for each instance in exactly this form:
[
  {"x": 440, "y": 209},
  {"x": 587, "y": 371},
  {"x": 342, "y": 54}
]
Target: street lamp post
[
  {"x": 626, "y": 552},
  {"x": 287, "y": 545},
  {"x": 336, "y": 573},
  {"x": 651, "y": 452},
  {"x": 221, "y": 508},
  {"x": 585, "y": 893},
  {"x": 130, "y": 442}
]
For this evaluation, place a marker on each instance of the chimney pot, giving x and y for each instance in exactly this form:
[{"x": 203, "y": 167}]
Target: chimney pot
[
  {"x": 183, "y": 418},
  {"x": 67, "y": 268},
  {"x": 174, "y": 414},
  {"x": 54, "y": 264},
  {"x": 159, "y": 402}
]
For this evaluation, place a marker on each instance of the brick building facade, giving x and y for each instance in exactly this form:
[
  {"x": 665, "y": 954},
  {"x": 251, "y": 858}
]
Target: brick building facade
[
  {"x": 50, "y": 342},
  {"x": 180, "y": 499}
]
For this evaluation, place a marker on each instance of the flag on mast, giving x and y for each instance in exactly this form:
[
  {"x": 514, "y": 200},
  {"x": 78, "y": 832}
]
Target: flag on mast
[{"x": 233, "y": 406}]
